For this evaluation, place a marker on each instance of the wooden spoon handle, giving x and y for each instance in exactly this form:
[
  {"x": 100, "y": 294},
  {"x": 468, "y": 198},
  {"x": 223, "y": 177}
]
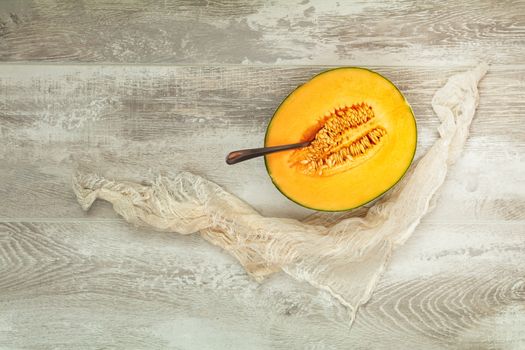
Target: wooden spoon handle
[{"x": 245, "y": 154}]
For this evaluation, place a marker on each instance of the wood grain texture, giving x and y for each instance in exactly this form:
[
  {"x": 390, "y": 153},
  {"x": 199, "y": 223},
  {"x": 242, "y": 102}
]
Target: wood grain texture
[
  {"x": 128, "y": 121},
  {"x": 179, "y": 292},
  {"x": 261, "y": 32},
  {"x": 75, "y": 280},
  {"x": 66, "y": 285}
]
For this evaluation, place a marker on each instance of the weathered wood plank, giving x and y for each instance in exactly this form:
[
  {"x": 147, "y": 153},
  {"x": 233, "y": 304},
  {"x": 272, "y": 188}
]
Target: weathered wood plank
[
  {"x": 97, "y": 285},
  {"x": 125, "y": 121},
  {"x": 376, "y": 32}
]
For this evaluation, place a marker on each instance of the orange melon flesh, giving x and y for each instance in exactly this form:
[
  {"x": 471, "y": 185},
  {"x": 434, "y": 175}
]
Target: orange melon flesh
[{"x": 301, "y": 113}]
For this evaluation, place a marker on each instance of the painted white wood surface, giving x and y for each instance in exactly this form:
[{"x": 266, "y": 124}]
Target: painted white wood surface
[
  {"x": 70, "y": 279},
  {"x": 105, "y": 284},
  {"x": 126, "y": 121},
  {"x": 376, "y": 32},
  {"x": 459, "y": 276}
]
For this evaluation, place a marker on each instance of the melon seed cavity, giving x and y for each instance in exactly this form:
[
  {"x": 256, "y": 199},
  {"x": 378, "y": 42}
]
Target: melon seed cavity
[{"x": 347, "y": 137}]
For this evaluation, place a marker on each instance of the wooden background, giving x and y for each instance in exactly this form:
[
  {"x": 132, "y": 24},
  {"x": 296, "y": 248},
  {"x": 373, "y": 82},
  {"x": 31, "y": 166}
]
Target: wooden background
[{"x": 133, "y": 88}]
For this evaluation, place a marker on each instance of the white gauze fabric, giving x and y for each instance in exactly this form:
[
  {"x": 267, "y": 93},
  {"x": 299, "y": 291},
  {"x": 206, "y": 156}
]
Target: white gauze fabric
[{"x": 339, "y": 253}]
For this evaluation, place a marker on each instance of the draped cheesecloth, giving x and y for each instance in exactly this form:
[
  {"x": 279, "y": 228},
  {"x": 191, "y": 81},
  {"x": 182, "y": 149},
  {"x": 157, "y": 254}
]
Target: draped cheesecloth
[{"x": 341, "y": 254}]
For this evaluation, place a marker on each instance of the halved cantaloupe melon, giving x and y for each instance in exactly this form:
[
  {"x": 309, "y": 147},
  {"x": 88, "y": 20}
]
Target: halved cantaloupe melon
[{"x": 364, "y": 139}]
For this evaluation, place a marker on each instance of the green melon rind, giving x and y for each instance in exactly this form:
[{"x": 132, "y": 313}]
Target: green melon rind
[{"x": 364, "y": 203}]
